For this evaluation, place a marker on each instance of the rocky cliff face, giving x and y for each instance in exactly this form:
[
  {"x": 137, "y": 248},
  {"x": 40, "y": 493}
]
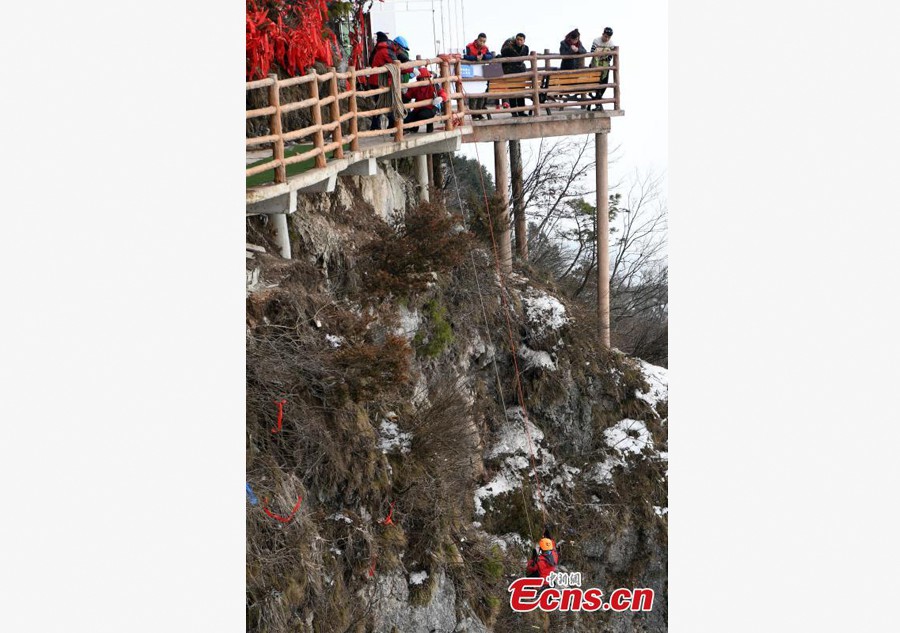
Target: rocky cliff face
[{"x": 387, "y": 336}]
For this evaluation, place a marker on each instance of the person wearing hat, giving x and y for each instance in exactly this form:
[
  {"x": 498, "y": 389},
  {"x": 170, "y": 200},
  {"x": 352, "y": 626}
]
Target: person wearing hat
[
  {"x": 432, "y": 93},
  {"x": 544, "y": 558},
  {"x": 515, "y": 47},
  {"x": 572, "y": 46},
  {"x": 401, "y": 50},
  {"x": 384, "y": 53},
  {"x": 602, "y": 43}
]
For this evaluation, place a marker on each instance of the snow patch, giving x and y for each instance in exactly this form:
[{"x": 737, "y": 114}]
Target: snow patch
[
  {"x": 510, "y": 540},
  {"x": 418, "y": 577},
  {"x": 334, "y": 340},
  {"x": 602, "y": 472},
  {"x": 629, "y": 436},
  {"x": 544, "y": 312},
  {"x": 512, "y": 438},
  {"x": 409, "y": 323},
  {"x": 660, "y": 511},
  {"x": 391, "y": 438},
  {"x": 337, "y": 516},
  {"x": 536, "y": 359},
  {"x": 504, "y": 481},
  {"x": 658, "y": 379}
]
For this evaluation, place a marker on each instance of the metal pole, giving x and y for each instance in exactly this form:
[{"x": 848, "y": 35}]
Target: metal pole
[
  {"x": 602, "y": 226},
  {"x": 501, "y": 172}
]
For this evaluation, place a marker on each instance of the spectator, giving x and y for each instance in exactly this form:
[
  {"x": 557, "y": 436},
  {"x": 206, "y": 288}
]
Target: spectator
[
  {"x": 382, "y": 55},
  {"x": 432, "y": 93},
  {"x": 477, "y": 51},
  {"x": 572, "y": 46},
  {"x": 401, "y": 50},
  {"x": 515, "y": 47},
  {"x": 602, "y": 43}
]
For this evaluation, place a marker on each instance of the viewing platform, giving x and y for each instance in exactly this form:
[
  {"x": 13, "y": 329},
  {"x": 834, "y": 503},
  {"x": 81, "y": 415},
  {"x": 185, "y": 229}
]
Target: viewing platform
[
  {"x": 335, "y": 109},
  {"x": 330, "y": 116}
]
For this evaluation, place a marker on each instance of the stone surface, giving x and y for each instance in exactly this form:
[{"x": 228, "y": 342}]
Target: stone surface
[{"x": 395, "y": 613}]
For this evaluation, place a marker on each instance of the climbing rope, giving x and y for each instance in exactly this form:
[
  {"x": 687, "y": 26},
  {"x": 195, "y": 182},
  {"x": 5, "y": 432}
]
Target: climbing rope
[
  {"x": 512, "y": 345},
  {"x": 393, "y": 98},
  {"x": 487, "y": 329}
]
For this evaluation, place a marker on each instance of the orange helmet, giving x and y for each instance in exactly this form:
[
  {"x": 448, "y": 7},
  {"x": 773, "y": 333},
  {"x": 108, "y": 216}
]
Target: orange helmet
[{"x": 545, "y": 544}]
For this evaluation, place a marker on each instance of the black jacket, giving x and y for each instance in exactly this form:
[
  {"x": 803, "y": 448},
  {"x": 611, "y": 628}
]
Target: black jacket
[
  {"x": 511, "y": 50},
  {"x": 571, "y": 64}
]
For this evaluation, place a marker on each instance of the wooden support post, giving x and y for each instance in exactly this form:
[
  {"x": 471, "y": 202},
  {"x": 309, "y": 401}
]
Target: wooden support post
[
  {"x": 275, "y": 127},
  {"x": 438, "y": 173},
  {"x": 501, "y": 175},
  {"x": 602, "y": 231},
  {"x": 336, "y": 136},
  {"x": 430, "y": 161},
  {"x": 518, "y": 199},
  {"x": 448, "y": 106},
  {"x": 460, "y": 102},
  {"x": 354, "y": 121},
  {"x": 617, "y": 92},
  {"x": 318, "y": 136},
  {"x": 547, "y": 67},
  {"x": 536, "y": 96}
]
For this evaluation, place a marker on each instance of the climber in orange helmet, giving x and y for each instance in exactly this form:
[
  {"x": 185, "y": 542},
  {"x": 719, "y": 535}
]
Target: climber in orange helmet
[{"x": 544, "y": 558}]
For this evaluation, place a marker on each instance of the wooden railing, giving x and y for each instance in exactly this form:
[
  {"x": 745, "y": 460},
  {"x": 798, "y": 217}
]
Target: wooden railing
[
  {"x": 545, "y": 90},
  {"x": 340, "y": 93},
  {"x": 548, "y": 89}
]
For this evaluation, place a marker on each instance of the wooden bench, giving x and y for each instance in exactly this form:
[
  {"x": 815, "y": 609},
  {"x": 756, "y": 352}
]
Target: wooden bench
[
  {"x": 573, "y": 86},
  {"x": 512, "y": 83}
]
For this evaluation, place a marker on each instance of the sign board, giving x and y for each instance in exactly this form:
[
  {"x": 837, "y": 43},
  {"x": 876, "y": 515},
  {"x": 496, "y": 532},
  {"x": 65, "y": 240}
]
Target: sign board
[{"x": 473, "y": 70}]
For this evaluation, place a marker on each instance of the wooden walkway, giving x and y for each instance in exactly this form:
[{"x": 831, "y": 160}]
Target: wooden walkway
[{"x": 562, "y": 102}]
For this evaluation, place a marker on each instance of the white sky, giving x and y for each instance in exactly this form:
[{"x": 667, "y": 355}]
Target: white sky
[{"x": 641, "y": 30}]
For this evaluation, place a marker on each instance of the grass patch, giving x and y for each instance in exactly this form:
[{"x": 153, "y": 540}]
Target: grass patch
[
  {"x": 441, "y": 333},
  {"x": 268, "y": 177}
]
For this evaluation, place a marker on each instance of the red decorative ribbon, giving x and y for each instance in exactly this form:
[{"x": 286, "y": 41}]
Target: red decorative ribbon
[
  {"x": 280, "y": 404},
  {"x": 387, "y": 520},
  {"x": 279, "y": 517}
]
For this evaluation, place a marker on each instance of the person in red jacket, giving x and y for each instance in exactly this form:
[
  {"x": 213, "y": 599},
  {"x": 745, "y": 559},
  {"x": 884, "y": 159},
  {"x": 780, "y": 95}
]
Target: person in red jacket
[
  {"x": 433, "y": 93},
  {"x": 477, "y": 51},
  {"x": 385, "y": 52},
  {"x": 544, "y": 559}
]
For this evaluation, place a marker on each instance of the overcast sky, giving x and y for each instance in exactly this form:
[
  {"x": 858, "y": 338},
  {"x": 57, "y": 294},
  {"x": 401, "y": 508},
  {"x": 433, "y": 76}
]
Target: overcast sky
[{"x": 641, "y": 30}]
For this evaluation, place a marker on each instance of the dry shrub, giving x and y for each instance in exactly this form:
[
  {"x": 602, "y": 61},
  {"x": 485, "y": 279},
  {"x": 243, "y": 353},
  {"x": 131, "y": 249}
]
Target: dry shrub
[
  {"x": 429, "y": 241},
  {"x": 483, "y": 221},
  {"x": 368, "y": 367},
  {"x": 480, "y": 576}
]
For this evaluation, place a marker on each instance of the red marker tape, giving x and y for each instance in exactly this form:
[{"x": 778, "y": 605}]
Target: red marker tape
[
  {"x": 372, "y": 568},
  {"x": 279, "y": 517},
  {"x": 387, "y": 520},
  {"x": 280, "y": 404}
]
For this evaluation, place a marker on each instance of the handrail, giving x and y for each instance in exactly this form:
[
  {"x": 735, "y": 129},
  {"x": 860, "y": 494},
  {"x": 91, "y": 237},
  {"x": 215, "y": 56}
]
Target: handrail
[{"x": 346, "y": 98}]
